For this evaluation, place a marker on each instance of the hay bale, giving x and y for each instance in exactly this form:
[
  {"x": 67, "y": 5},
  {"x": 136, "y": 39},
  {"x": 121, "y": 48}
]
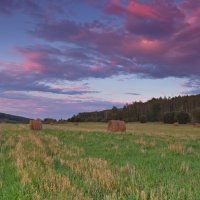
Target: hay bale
[
  {"x": 176, "y": 124},
  {"x": 197, "y": 125},
  {"x": 35, "y": 125},
  {"x": 122, "y": 126},
  {"x": 116, "y": 126}
]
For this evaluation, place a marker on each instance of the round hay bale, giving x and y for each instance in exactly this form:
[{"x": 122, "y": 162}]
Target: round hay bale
[
  {"x": 116, "y": 126},
  {"x": 35, "y": 125},
  {"x": 197, "y": 125},
  {"x": 122, "y": 126},
  {"x": 176, "y": 124}
]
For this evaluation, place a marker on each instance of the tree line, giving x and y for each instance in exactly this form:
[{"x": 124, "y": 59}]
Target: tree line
[{"x": 182, "y": 109}]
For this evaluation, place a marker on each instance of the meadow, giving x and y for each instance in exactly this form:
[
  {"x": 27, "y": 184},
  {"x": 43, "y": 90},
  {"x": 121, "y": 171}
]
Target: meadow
[{"x": 150, "y": 161}]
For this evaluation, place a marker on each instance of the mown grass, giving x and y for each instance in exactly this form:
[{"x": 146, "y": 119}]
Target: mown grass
[{"x": 149, "y": 162}]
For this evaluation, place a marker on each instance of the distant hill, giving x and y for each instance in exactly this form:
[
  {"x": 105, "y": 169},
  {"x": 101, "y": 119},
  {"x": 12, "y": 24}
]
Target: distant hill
[
  {"x": 12, "y": 118},
  {"x": 152, "y": 110}
]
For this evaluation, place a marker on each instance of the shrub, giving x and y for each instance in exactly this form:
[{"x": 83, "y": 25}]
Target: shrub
[
  {"x": 196, "y": 115},
  {"x": 143, "y": 119},
  {"x": 169, "y": 118},
  {"x": 182, "y": 117}
]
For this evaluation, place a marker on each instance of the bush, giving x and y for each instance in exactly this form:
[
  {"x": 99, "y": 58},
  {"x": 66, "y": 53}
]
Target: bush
[
  {"x": 196, "y": 115},
  {"x": 169, "y": 118},
  {"x": 143, "y": 119},
  {"x": 182, "y": 117}
]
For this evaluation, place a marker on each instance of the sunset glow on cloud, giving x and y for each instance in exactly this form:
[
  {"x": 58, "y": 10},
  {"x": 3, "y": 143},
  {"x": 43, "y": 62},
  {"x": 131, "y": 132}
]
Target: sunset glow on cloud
[{"x": 58, "y": 58}]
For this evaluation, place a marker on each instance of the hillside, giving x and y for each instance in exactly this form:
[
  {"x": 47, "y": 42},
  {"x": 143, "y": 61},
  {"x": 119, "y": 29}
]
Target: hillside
[
  {"x": 152, "y": 110},
  {"x": 12, "y": 118}
]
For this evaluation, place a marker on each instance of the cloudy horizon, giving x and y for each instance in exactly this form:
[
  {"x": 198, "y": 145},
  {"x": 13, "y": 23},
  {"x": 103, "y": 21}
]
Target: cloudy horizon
[{"x": 59, "y": 59}]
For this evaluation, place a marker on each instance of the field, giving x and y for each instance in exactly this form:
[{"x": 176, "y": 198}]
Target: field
[{"x": 150, "y": 162}]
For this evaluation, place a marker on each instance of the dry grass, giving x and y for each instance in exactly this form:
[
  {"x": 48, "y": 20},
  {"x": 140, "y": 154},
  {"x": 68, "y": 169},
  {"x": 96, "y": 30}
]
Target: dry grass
[
  {"x": 95, "y": 170},
  {"x": 141, "y": 141},
  {"x": 180, "y": 148},
  {"x": 150, "y": 129},
  {"x": 184, "y": 168},
  {"x": 145, "y": 143},
  {"x": 35, "y": 164}
]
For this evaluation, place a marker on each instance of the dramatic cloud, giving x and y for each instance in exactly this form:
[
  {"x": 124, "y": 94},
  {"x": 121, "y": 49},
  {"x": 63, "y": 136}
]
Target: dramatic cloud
[
  {"x": 31, "y": 76},
  {"x": 157, "y": 39},
  {"x": 76, "y": 41}
]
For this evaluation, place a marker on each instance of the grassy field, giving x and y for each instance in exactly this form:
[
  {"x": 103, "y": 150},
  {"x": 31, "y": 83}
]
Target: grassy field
[{"x": 149, "y": 162}]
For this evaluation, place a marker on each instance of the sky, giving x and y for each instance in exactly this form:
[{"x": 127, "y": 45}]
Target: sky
[{"x": 62, "y": 57}]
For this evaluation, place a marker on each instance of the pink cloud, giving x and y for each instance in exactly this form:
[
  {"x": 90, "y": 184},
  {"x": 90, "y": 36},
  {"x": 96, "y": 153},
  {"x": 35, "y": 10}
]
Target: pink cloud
[
  {"x": 115, "y": 7},
  {"x": 30, "y": 67},
  {"x": 142, "y": 10},
  {"x": 33, "y": 55},
  {"x": 150, "y": 39},
  {"x": 96, "y": 69}
]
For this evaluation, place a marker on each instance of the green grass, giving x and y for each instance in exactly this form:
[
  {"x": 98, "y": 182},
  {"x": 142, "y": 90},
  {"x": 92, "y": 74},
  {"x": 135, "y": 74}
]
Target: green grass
[
  {"x": 151, "y": 161},
  {"x": 10, "y": 187}
]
